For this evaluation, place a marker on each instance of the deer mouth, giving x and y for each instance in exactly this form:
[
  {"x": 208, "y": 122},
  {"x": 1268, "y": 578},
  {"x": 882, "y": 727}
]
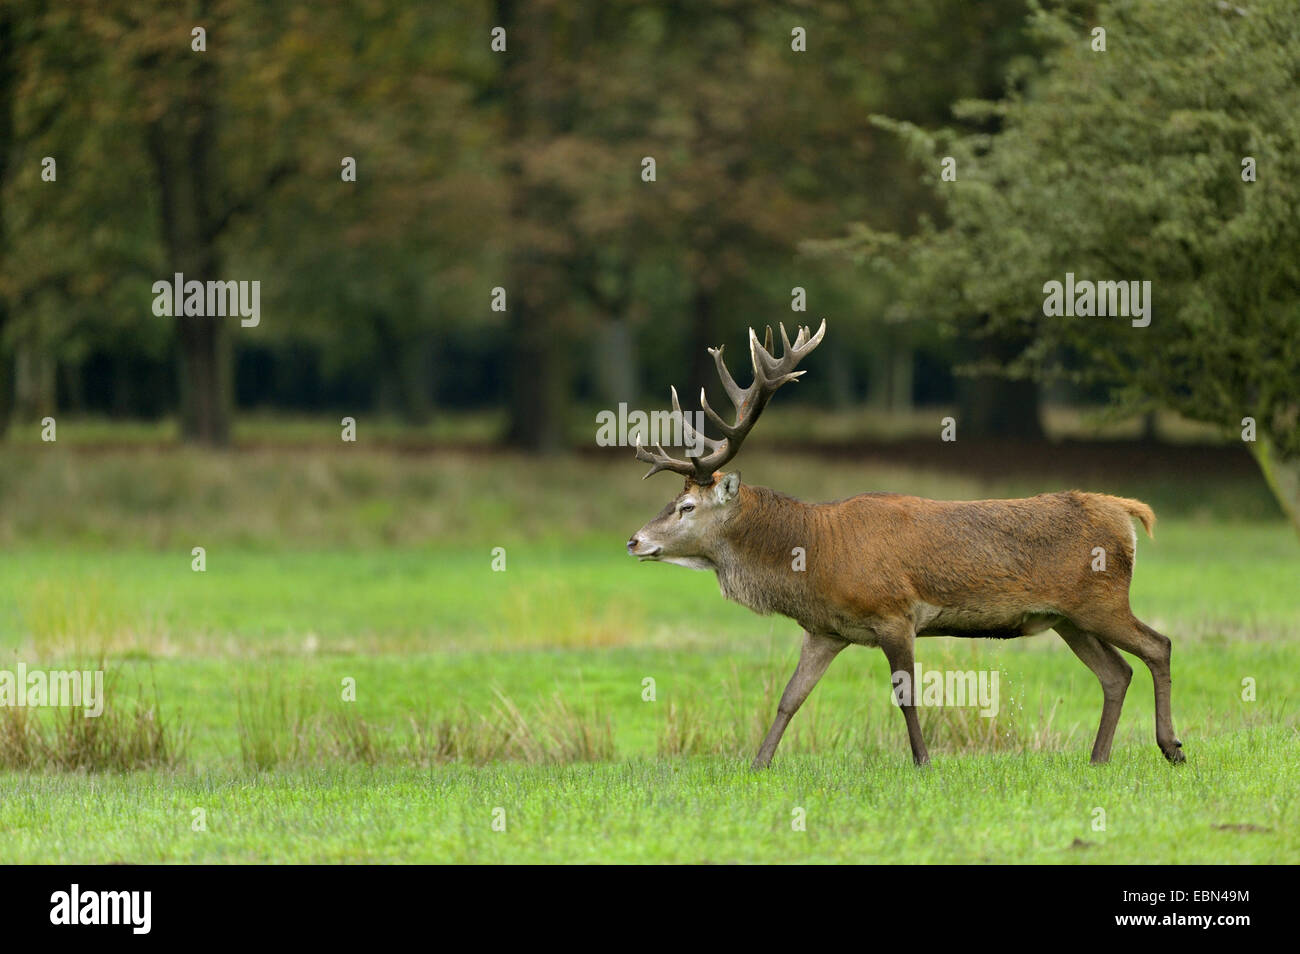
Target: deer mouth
[{"x": 649, "y": 554}]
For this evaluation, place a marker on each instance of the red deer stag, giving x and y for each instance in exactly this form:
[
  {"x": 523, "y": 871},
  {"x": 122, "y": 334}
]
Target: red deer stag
[{"x": 882, "y": 568}]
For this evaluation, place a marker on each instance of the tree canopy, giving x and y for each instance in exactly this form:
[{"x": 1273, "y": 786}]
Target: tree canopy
[{"x": 1164, "y": 151}]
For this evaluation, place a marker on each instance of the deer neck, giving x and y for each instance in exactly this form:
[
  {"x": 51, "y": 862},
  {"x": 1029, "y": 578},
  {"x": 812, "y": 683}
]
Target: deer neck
[{"x": 762, "y": 548}]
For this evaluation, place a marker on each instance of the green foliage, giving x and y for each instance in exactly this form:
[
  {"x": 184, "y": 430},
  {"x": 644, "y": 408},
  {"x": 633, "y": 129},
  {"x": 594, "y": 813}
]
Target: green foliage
[
  {"x": 475, "y": 169},
  {"x": 1128, "y": 165}
]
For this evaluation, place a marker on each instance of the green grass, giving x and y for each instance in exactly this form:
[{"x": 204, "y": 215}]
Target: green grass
[
  {"x": 523, "y": 689},
  {"x": 1198, "y": 580},
  {"x": 731, "y": 693},
  {"x": 1234, "y": 802}
]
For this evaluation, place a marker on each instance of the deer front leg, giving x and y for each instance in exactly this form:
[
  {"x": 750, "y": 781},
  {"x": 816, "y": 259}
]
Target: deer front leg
[
  {"x": 898, "y": 641},
  {"x": 815, "y": 655}
]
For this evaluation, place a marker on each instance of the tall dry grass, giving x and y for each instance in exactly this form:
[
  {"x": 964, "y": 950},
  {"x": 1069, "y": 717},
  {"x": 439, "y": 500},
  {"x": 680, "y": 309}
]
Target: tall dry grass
[
  {"x": 125, "y": 736},
  {"x": 277, "y": 731}
]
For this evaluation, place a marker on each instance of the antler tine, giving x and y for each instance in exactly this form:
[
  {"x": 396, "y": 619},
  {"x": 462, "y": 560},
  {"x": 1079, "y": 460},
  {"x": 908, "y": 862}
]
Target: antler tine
[
  {"x": 760, "y": 358},
  {"x": 802, "y": 334},
  {"x": 662, "y": 461},
  {"x": 717, "y": 419},
  {"x": 689, "y": 433},
  {"x": 785, "y": 339},
  {"x": 815, "y": 340},
  {"x": 734, "y": 391}
]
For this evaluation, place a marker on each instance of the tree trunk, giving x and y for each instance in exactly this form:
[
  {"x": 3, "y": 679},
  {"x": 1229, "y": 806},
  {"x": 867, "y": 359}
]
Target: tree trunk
[
  {"x": 74, "y": 392},
  {"x": 1150, "y": 427},
  {"x": 416, "y": 367},
  {"x": 35, "y": 384},
  {"x": 182, "y": 144},
  {"x": 121, "y": 403},
  {"x": 616, "y": 371},
  {"x": 6, "y": 381},
  {"x": 994, "y": 406},
  {"x": 840, "y": 377},
  {"x": 1282, "y": 475},
  {"x": 8, "y": 82},
  {"x": 890, "y": 387},
  {"x": 537, "y": 403},
  {"x": 405, "y": 386},
  {"x": 206, "y": 380},
  {"x": 539, "y": 383}
]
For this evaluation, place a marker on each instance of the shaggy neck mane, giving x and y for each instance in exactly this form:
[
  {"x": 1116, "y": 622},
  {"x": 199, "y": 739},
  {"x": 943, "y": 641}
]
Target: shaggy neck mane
[{"x": 754, "y": 559}]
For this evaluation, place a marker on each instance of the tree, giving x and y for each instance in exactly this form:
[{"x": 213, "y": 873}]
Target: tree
[
  {"x": 199, "y": 154},
  {"x": 375, "y": 275},
  {"x": 175, "y": 90},
  {"x": 8, "y": 83},
  {"x": 62, "y": 278},
  {"x": 1135, "y": 164}
]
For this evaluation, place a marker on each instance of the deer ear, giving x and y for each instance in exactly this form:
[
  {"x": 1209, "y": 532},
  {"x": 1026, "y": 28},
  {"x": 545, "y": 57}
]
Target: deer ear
[{"x": 728, "y": 487}]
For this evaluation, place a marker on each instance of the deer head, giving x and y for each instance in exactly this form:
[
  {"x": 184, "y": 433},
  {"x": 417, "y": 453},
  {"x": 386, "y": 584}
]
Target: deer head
[{"x": 684, "y": 529}]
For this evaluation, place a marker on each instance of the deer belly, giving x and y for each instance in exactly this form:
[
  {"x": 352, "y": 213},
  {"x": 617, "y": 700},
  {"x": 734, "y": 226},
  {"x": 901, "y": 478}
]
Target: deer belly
[{"x": 976, "y": 624}]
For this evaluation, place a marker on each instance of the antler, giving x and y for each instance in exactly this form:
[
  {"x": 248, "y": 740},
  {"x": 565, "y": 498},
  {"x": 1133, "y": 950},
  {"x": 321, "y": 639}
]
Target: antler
[{"x": 769, "y": 374}]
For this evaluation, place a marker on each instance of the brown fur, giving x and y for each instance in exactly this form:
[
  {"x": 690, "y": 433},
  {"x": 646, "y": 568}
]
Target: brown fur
[{"x": 879, "y": 555}]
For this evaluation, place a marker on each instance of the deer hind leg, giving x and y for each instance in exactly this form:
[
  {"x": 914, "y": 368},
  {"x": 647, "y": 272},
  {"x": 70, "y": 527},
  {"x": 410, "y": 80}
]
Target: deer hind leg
[
  {"x": 814, "y": 658},
  {"x": 1111, "y": 671},
  {"x": 899, "y": 644},
  {"x": 1134, "y": 636}
]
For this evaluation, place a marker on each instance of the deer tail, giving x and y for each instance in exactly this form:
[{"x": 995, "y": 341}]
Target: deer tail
[{"x": 1136, "y": 508}]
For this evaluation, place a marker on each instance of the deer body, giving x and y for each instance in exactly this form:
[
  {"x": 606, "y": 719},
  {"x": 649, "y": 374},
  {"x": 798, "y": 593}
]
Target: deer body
[
  {"x": 987, "y": 568},
  {"x": 881, "y": 569}
]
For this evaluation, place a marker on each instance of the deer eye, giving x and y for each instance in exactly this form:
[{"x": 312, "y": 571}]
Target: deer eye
[{"x": 686, "y": 508}]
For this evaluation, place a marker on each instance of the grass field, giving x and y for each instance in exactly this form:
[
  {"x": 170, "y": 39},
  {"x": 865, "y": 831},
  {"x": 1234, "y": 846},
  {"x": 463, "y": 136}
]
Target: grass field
[{"x": 523, "y": 690}]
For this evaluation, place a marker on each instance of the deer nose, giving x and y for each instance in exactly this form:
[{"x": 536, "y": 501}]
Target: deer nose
[{"x": 633, "y": 543}]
